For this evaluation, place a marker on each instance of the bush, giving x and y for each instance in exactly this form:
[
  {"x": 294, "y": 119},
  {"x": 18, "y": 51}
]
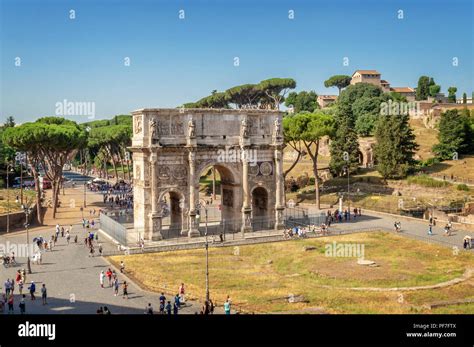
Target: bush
[
  {"x": 462, "y": 187},
  {"x": 429, "y": 162},
  {"x": 426, "y": 181}
]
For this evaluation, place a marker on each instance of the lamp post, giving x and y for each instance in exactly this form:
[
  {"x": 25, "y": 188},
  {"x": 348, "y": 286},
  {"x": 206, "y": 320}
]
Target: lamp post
[
  {"x": 9, "y": 169},
  {"x": 84, "y": 195},
  {"x": 27, "y": 210},
  {"x": 345, "y": 156},
  {"x": 207, "y": 250}
]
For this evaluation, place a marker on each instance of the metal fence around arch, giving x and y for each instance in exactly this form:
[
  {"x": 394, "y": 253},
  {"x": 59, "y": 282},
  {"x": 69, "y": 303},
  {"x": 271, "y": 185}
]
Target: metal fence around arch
[{"x": 117, "y": 231}]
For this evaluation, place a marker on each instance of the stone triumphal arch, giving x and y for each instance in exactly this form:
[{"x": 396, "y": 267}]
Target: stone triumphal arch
[{"x": 171, "y": 147}]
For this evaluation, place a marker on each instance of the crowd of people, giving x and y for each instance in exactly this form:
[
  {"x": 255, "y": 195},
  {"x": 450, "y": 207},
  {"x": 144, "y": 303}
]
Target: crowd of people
[
  {"x": 7, "y": 299},
  {"x": 337, "y": 216}
]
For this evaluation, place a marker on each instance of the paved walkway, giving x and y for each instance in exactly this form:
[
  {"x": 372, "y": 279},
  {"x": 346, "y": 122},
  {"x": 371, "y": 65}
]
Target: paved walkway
[
  {"x": 412, "y": 227},
  {"x": 69, "y": 272}
]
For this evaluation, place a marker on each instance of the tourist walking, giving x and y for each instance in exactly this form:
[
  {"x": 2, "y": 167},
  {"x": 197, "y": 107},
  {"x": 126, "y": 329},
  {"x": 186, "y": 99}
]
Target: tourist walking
[
  {"x": 168, "y": 308},
  {"x": 181, "y": 292},
  {"x": 11, "y": 299},
  {"x": 44, "y": 294},
  {"x": 227, "y": 306},
  {"x": 430, "y": 229},
  {"x": 125, "y": 289},
  {"x": 32, "y": 289},
  {"x": 101, "y": 279},
  {"x": 116, "y": 286},
  {"x": 177, "y": 301},
  {"x": 162, "y": 303},
  {"x": 175, "y": 308},
  {"x": 22, "y": 305},
  {"x": 109, "y": 276},
  {"x": 149, "y": 309}
]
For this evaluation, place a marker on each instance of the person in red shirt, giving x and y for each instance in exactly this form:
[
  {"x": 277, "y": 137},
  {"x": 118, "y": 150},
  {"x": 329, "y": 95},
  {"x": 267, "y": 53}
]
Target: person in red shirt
[{"x": 109, "y": 276}]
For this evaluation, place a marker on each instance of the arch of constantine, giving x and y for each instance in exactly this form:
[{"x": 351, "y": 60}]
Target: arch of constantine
[{"x": 171, "y": 147}]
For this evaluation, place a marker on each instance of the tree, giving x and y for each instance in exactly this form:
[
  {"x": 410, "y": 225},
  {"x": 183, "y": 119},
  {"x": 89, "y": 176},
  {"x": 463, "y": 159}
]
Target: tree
[
  {"x": 309, "y": 128},
  {"x": 215, "y": 100},
  {"x": 452, "y": 94},
  {"x": 423, "y": 89},
  {"x": 339, "y": 81},
  {"x": 434, "y": 90},
  {"x": 276, "y": 89},
  {"x": 112, "y": 140},
  {"x": 49, "y": 143},
  {"x": 454, "y": 136},
  {"x": 464, "y": 98},
  {"x": 245, "y": 95},
  {"x": 344, "y": 140},
  {"x": 366, "y": 110},
  {"x": 292, "y": 138},
  {"x": 9, "y": 122},
  {"x": 345, "y": 137},
  {"x": 395, "y": 146},
  {"x": 302, "y": 101}
]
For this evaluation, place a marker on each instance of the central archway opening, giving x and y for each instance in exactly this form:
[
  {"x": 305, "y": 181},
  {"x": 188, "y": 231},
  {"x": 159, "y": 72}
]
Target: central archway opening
[
  {"x": 261, "y": 218},
  {"x": 171, "y": 206},
  {"x": 219, "y": 191}
]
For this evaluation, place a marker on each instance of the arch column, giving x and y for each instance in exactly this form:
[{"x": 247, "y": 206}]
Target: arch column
[
  {"x": 279, "y": 189},
  {"x": 193, "y": 224},
  {"x": 154, "y": 232},
  {"x": 246, "y": 208}
]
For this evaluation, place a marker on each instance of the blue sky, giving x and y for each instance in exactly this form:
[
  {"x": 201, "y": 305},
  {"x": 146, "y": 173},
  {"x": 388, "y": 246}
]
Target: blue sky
[{"x": 174, "y": 61}]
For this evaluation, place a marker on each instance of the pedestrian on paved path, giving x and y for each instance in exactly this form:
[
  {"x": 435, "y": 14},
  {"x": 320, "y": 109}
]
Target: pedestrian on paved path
[
  {"x": 44, "y": 294},
  {"x": 162, "y": 303},
  {"x": 149, "y": 309},
  {"x": 125, "y": 289},
  {"x": 177, "y": 301},
  {"x": 32, "y": 289},
  {"x": 211, "y": 307},
  {"x": 122, "y": 266},
  {"x": 100, "y": 249},
  {"x": 109, "y": 276},
  {"x": 181, "y": 292},
  {"x": 22, "y": 305},
  {"x": 116, "y": 286},
  {"x": 68, "y": 237},
  {"x": 430, "y": 229},
  {"x": 20, "y": 287},
  {"x": 2, "y": 303},
  {"x": 175, "y": 308},
  {"x": 11, "y": 300},
  {"x": 227, "y": 306},
  {"x": 101, "y": 279},
  {"x": 168, "y": 308}
]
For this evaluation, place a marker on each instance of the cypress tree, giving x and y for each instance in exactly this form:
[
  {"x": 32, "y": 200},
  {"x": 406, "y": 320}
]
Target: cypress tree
[
  {"x": 395, "y": 146},
  {"x": 454, "y": 134}
]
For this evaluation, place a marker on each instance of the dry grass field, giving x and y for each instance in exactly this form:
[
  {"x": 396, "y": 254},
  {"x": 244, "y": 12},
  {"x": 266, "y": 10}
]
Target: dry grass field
[{"x": 261, "y": 276}]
